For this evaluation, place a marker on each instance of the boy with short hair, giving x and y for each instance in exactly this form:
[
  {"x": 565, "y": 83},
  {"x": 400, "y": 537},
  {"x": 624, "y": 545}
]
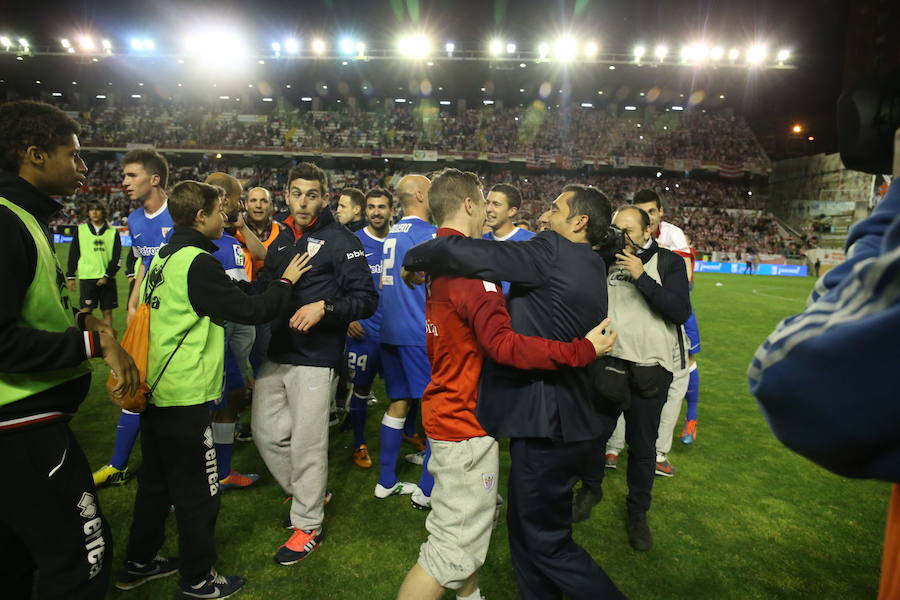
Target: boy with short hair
[
  {"x": 94, "y": 255},
  {"x": 189, "y": 295}
]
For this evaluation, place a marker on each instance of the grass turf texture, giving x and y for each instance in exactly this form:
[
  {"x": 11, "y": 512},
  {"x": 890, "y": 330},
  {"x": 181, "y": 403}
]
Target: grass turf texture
[{"x": 743, "y": 518}]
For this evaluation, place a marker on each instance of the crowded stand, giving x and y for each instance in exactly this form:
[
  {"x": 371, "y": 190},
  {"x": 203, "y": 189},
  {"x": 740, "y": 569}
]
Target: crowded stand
[{"x": 537, "y": 129}]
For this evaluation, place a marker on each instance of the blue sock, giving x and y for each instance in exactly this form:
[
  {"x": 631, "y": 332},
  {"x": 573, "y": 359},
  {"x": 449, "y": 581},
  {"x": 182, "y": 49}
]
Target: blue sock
[
  {"x": 693, "y": 394},
  {"x": 126, "y": 433},
  {"x": 409, "y": 428},
  {"x": 426, "y": 481},
  {"x": 359, "y": 406},
  {"x": 390, "y": 450},
  {"x": 223, "y": 438}
]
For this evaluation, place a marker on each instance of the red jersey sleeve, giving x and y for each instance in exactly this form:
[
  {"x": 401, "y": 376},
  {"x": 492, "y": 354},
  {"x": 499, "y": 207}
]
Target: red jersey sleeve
[{"x": 481, "y": 305}]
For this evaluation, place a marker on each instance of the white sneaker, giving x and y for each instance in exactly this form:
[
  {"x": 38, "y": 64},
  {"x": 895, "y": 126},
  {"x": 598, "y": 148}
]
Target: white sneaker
[
  {"x": 372, "y": 401},
  {"x": 419, "y": 500},
  {"x": 416, "y": 458},
  {"x": 401, "y": 488}
]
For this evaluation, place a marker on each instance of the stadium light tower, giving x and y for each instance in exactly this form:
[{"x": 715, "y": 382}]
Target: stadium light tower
[
  {"x": 783, "y": 55},
  {"x": 347, "y": 46},
  {"x": 734, "y": 54},
  {"x": 414, "y": 46},
  {"x": 450, "y": 47},
  {"x": 510, "y": 48},
  {"x": 5, "y": 42},
  {"x": 756, "y": 54},
  {"x": 661, "y": 52},
  {"x": 543, "y": 50},
  {"x": 565, "y": 49},
  {"x": 639, "y": 52},
  {"x": 717, "y": 53},
  {"x": 86, "y": 43},
  {"x": 318, "y": 46},
  {"x": 591, "y": 49},
  {"x": 495, "y": 47}
]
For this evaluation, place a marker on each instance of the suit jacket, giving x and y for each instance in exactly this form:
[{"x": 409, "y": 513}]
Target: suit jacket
[{"x": 558, "y": 292}]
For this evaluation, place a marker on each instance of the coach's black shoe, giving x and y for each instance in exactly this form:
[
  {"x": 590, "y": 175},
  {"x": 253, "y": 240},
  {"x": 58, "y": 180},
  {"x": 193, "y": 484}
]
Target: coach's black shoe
[
  {"x": 639, "y": 535},
  {"x": 584, "y": 502},
  {"x": 134, "y": 574},
  {"x": 214, "y": 586}
]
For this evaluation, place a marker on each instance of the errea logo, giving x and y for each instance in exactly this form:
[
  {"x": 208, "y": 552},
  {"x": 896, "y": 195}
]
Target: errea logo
[{"x": 355, "y": 254}]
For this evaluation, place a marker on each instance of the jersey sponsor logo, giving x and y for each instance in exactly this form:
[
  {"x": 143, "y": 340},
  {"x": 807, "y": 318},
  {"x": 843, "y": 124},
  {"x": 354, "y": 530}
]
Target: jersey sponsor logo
[
  {"x": 431, "y": 328},
  {"x": 619, "y": 275},
  {"x": 489, "y": 287},
  {"x": 401, "y": 228},
  {"x": 376, "y": 268},
  {"x": 355, "y": 254},
  {"x": 94, "y": 544},
  {"x": 313, "y": 245},
  {"x": 148, "y": 250}
]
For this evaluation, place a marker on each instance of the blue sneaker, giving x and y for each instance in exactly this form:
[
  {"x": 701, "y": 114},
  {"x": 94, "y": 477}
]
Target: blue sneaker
[{"x": 134, "y": 574}]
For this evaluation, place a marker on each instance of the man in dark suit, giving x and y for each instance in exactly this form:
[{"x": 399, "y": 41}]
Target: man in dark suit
[{"x": 558, "y": 292}]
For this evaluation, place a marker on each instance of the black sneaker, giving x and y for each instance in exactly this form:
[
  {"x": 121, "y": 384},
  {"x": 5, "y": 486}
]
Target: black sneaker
[
  {"x": 584, "y": 502},
  {"x": 243, "y": 433},
  {"x": 134, "y": 575},
  {"x": 639, "y": 535},
  {"x": 214, "y": 586}
]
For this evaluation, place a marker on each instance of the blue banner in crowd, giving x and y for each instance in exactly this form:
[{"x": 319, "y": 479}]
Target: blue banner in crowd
[
  {"x": 758, "y": 269},
  {"x": 59, "y": 238}
]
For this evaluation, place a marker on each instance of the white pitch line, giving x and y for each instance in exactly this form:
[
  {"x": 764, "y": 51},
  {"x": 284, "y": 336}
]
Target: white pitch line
[{"x": 758, "y": 293}]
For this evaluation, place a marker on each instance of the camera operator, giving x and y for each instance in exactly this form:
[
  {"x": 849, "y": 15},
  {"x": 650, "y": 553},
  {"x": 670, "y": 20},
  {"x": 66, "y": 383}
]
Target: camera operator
[
  {"x": 649, "y": 299},
  {"x": 846, "y": 420}
]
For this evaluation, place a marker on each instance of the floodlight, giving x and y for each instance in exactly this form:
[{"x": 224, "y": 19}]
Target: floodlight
[
  {"x": 783, "y": 55},
  {"x": 414, "y": 46},
  {"x": 565, "y": 49},
  {"x": 450, "y": 47},
  {"x": 717, "y": 53},
  {"x": 756, "y": 54},
  {"x": 65, "y": 43},
  {"x": 347, "y": 46},
  {"x": 495, "y": 47},
  {"x": 291, "y": 46},
  {"x": 136, "y": 44},
  {"x": 661, "y": 51},
  {"x": 733, "y": 54},
  {"x": 510, "y": 48},
  {"x": 6, "y": 42},
  {"x": 318, "y": 46},
  {"x": 23, "y": 43},
  {"x": 149, "y": 45},
  {"x": 360, "y": 48},
  {"x": 107, "y": 45},
  {"x": 639, "y": 52},
  {"x": 590, "y": 49},
  {"x": 84, "y": 41},
  {"x": 543, "y": 49},
  {"x": 797, "y": 128}
]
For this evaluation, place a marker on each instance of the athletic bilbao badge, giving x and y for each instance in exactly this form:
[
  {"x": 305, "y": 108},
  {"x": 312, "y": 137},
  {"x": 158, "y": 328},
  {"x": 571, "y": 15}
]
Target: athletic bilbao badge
[
  {"x": 489, "y": 479},
  {"x": 313, "y": 245}
]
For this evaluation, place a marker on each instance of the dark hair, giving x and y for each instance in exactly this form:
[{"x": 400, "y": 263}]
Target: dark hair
[
  {"x": 152, "y": 161},
  {"x": 26, "y": 123},
  {"x": 645, "y": 218},
  {"x": 594, "y": 204},
  {"x": 448, "y": 191},
  {"x": 512, "y": 193},
  {"x": 378, "y": 193},
  {"x": 646, "y": 197},
  {"x": 188, "y": 197},
  {"x": 356, "y": 197},
  {"x": 310, "y": 172},
  {"x": 96, "y": 205}
]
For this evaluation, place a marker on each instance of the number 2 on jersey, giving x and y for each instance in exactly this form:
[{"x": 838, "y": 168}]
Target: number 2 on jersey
[{"x": 387, "y": 263}]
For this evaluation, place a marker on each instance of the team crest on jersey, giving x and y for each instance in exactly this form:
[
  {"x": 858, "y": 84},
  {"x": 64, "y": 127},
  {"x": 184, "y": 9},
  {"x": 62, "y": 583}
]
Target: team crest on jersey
[
  {"x": 238, "y": 256},
  {"x": 165, "y": 231},
  {"x": 489, "y": 480},
  {"x": 313, "y": 245}
]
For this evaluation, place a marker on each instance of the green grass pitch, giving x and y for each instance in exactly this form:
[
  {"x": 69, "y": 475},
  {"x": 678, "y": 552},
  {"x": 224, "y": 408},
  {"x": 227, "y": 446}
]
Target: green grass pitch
[{"x": 743, "y": 518}]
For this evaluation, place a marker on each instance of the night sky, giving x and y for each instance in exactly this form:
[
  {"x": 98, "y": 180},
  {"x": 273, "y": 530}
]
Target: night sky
[{"x": 815, "y": 31}]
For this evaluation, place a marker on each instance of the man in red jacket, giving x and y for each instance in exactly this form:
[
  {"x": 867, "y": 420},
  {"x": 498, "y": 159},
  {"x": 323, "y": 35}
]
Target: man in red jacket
[{"x": 466, "y": 319}]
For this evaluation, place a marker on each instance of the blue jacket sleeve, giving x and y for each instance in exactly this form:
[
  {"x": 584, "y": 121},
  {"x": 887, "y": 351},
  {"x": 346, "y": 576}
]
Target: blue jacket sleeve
[
  {"x": 524, "y": 263},
  {"x": 824, "y": 377}
]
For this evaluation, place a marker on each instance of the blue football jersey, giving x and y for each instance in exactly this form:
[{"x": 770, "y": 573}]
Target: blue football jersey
[
  {"x": 373, "y": 248},
  {"x": 402, "y": 309},
  {"x": 518, "y": 235},
  {"x": 231, "y": 255},
  {"x": 149, "y": 234}
]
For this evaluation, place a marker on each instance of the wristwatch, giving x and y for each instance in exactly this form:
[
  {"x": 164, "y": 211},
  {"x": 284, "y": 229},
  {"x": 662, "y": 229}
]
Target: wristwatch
[{"x": 329, "y": 307}]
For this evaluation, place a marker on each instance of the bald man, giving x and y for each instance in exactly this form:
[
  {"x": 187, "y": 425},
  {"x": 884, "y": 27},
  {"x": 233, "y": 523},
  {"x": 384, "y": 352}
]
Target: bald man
[{"x": 405, "y": 367}]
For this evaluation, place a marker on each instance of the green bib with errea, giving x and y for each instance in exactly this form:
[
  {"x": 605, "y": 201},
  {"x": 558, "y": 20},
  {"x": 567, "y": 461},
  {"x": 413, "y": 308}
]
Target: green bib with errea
[
  {"x": 194, "y": 375},
  {"x": 43, "y": 308}
]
